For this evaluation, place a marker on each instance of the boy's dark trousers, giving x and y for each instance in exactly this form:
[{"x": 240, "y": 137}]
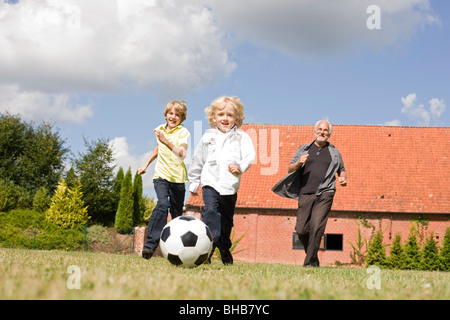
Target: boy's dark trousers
[
  {"x": 312, "y": 216},
  {"x": 170, "y": 196},
  {"x": 218, "y": 216}
]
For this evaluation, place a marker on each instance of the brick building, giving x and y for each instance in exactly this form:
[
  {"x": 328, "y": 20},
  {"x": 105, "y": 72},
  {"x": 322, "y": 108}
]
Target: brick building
[{"x": 396, "y": 175}]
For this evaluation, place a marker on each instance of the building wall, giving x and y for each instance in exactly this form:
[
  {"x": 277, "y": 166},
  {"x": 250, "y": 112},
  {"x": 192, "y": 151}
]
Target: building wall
[{"x": 269, "y": 233}]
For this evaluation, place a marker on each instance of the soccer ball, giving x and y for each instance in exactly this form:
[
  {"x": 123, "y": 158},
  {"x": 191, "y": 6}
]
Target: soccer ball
[{"x": 186, "y": 241}]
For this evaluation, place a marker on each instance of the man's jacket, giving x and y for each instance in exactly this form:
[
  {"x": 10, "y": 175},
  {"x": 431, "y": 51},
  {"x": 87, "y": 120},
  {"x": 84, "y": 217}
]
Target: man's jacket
[{"x": 289, "y": 186}]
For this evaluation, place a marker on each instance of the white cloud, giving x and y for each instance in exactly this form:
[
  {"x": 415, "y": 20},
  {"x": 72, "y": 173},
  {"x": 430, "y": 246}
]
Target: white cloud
[
  {"x": 394, "y": 122},
  {"x": 437, "y": 107},
  {"x": 417, "y": 111},
  {"x": 36, "y": 105},
  {"x": 305, "y": 28},
  {"x": 125, "y": 158},
  {"x": 81, "y": 45}
]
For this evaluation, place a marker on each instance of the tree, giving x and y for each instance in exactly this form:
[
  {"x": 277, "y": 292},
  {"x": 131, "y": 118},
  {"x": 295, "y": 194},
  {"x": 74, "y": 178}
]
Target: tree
[
  {"x": 124, "y": 215},
  {"x": 42, "y": 200},
  {"x": 71, "y": 178},
  {"x": 67, "y": 209},
  {"x": 445, "y": 251},
  {"x": 412, "y": 252},
  {"x": 30, "y": 156},
  {"x": 359, "y": 253},
  {"x": 397, "y": 257},
  {"x": 376, "y": 253},
  {"x": 430, "y": 255},
  {"x": 95, "y": 171},
  {"x": 13, "y": 196},
  {"x": 138, "y": 200},
  {"x": 149, "y": 205},
  {"x": 117, "y": 186}
]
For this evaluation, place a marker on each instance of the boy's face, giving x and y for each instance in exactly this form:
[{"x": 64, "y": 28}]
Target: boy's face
[
  {"x": 225, "y": 118},
  {"x": 173, "y": 119}
]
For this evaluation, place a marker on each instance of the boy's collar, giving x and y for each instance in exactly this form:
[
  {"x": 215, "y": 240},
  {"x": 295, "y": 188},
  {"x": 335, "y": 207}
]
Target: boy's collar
[
  {"x": 164, "y": 125},
  {"x": 234, "y": 129}
]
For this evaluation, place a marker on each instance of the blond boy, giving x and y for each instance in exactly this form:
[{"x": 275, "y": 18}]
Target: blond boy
[
  {"x": 219, "y": 160},
  {"x": 170, "y": 172}
]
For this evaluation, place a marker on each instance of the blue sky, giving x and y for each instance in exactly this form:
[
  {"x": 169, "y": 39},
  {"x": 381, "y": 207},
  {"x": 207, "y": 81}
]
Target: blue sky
[{"x": 106, "y": 69}]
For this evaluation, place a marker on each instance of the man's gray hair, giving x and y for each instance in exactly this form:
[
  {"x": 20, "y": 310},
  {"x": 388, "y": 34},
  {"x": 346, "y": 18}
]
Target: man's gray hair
[{"x": 326, "y": 121}]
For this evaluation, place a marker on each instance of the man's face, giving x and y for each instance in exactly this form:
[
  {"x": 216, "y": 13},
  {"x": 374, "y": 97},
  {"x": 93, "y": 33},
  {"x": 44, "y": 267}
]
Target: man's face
[{"x": 322, "y": 133}]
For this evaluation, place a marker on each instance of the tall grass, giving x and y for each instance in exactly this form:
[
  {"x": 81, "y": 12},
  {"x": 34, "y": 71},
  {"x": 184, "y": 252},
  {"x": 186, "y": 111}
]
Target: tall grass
[{"x": 33, "y": 274}]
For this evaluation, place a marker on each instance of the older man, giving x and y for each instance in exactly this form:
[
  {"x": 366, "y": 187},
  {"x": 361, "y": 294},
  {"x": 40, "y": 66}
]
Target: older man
[{"x": 312, "y": 180}]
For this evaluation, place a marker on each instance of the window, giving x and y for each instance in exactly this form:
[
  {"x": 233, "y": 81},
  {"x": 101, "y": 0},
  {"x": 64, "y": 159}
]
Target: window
[
  {"x": 330, "y": 241},
  {"x": 334, "y": 241},
  {"x": 296, "y": 243}
]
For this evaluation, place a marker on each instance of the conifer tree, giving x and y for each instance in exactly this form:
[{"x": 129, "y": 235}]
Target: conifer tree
[
  {"x": 445, "y": 251},
  {"x": 412, "y": 252},
  {"x": 117, "y": 188},
  {"x": 118, "y": 181},
  {"x": 376, "y": 253},
  {"x": 41, "y": 200},
  {"x": 430, "y": 255},
  {"x": 138, "y": 200},
  {"x": 397, "y": 258},
  {"x": 124, "y": 214},
  {"x": 67, "y": 209},
  {"x": 95, "y": 171},
  {"x": 71, "y": 178},
  {"x": 149, "y": 205}
]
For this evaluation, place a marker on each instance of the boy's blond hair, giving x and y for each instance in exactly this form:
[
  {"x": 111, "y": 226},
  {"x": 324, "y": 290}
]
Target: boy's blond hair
[
  {"x": 222, "y": 102},
  {"x": 180, "y": 107}
]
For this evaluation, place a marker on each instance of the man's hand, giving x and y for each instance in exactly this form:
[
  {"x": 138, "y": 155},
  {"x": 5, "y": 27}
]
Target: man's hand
[
  {"x": 343, "y": 180},
  {"x": 297, "y": 165}
]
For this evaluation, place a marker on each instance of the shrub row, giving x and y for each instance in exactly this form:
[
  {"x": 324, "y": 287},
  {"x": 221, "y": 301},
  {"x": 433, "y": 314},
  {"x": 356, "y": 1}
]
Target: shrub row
[
  {"x": 410, "y": 255},
  {"x": 17, "y": 228}
]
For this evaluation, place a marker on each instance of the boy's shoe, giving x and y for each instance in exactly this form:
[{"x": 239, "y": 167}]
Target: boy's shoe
[
  {"x": 147, "y": 253},
  {"x": 226, "y": 256}
]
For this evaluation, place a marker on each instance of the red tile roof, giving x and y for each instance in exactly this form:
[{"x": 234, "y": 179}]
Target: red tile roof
[{"x": 390, "y": 169}]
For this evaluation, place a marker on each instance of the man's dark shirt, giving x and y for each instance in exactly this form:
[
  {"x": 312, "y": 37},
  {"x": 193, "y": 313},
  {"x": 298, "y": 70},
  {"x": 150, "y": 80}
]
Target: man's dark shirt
[{"x": 315, "y": 169}]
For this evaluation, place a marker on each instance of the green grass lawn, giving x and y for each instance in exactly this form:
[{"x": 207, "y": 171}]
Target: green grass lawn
[{"x": 33, "y": 274}]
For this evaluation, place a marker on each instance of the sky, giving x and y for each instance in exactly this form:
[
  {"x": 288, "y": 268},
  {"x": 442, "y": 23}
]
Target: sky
[{"x": 107, "y": 68}]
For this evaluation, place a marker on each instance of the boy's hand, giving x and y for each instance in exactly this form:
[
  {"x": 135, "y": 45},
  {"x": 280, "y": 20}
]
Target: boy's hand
[
  {"x": 161, "y": 136},
  {"x": 194, "y": 194},
  {"x": 142, "y": 170},
  {"x": 234, "y": 169}
]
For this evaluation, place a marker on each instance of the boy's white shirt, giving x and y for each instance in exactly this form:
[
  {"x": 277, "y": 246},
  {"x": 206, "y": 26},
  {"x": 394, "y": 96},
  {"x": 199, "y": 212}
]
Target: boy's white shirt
[{"x": 214, "y": 153}]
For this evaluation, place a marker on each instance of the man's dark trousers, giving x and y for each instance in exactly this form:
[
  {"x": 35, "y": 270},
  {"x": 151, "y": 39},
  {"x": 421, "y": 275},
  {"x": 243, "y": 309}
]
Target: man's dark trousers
[{"x": 312, "y": 216}]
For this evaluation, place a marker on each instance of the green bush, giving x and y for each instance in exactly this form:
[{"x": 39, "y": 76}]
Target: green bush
[
  {"x": 412, "y": 251},
  {"x": 13, "y": 196},
  {"x": 445, "y": 251},
  {"x": 124, "y": 215},
  {"x": 67, "y": 208},
  {"x": 376, "y": 253},
  {"x": 17, "y": 231},
  {"x": 398, "y": 257},
  {"x": 42, "y": 200},
  {"x": 99, "y": 234},
  {"x": 430, "y": 255}
]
